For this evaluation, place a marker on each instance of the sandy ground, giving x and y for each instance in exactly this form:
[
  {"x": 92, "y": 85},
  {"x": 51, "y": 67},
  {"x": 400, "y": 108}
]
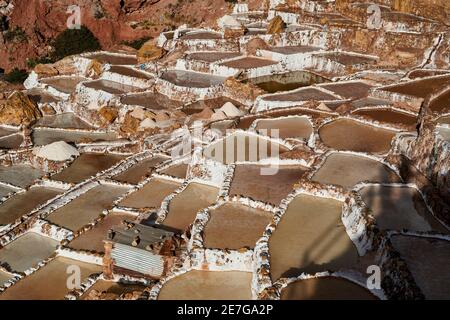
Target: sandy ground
[
  {"x": 207, "y": 285},
  {"x": 235, "y": 226},
  {"x": 296, "y": 127},
  {"x": 310, "y": 238},
  {"x": 184, "y": 207},
  {"x": 27, "y": 250},
  {"x": 36, "y": 286},
  {"x": 20, "y": 175},
  {"x": 87, "y": 207},
  {"x": 348, "y": 170},
  {"x": 139, "y": 171},
  {"x": 325, "y": 289},
  {"x": 349, "y": 135}
]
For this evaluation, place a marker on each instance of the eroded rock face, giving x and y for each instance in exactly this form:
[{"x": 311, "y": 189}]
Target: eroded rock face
[
  {"x": 19, "y": 110},
  {"x": 108, "y": 115},
  {"x": 276, "y": 25},
  {"x": 242, "y": 91},
  {"x": 150, "y": 52},
  {"x": 255, "y": 44}
]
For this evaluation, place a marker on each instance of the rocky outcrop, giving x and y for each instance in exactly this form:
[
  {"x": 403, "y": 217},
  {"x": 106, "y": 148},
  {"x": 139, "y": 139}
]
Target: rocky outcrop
[
  {"x": 242, "y": 92},
  {"x": 19, "y": 110},
  {"x": 150, "y": 52},
  {"x": 254, "y": 45},
  {"x": 276, "y": 25},
  {"x": 108, "y": 115}
]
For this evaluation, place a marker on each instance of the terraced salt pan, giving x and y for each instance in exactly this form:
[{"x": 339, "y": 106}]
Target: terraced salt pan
[
  {"x": 347, "y": 59},
  {"x": 444, "y": 120},
  {"x": 420, "y": 88},
  {"x": 302, "y": 94},
  {"x": 11, "y": 142},
  {"x": 292, "y": 127},
  {"x": 41, "y": 96},
  {"x": 201, "y": 35},
  {"x": 5, "y": 190},
  {"x": 110, "y": 86},
  {"x": 347, "y": 170},
  {"x": 20, "y": 175},
  {"x": 139, "y": 171},
  {"x": 214, "y": 103},
  {"x": 22, "y": 203},
  {"x": 192, "y": 79},
  {"x": 63, "y": 121},
  {"x": 208, "y": 285},
  {"x": 87, "y": 165},
  {"x": 441, "y": 102},
  {"x": 287, "y": 81},
  {"x": 248, "y": 179},
  {"x": 130, "y": 72},
  {"x": 310, "y": 238},
  {"x": 43, "y": 136},
  {"x": 36, "y": 286},
  {"x": 113, "y": 59},
  {"x": 64, "y": 84},
  {"x": 212, "y": 56},
  {"x": 398, "y": 208},
  {"x": 111, "y": 290},
  {"x": 87, "y": 207},
  {"x": 177, "y": 171},
  {"x": 388, "y": 116},
  {"x": 26, "y": 251},
  {"x": 349, "y": 90},
  {"x": 325, "y": 288},
  {"x": 6, "y": 131},
  {"x": 4, "y": 277},
  {"x": 248, "y": 63},
  {"x": 151, "y": 100},
  {"x": 92, "y": 240},
  {"x": 235, "y": 226},
  {"x": 184, "y": 207},
  {"x": 427, "y": 259},
  {"x": 151, "y": 195},
  {"x": 350, "y": 135}
]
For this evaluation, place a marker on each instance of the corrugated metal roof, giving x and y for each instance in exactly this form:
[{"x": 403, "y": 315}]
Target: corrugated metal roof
[{"x": 138, "y": 260}]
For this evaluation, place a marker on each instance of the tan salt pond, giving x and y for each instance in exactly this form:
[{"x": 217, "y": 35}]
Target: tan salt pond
[
  {"x": 350, "y": 135},
  {"x": 327, "y": 288},
  {"x": 110, "y": 290},
  {"x": 139, "y": 171},
  {"x": 293, "y": 127},
  {"x": 192, "y": 79},
  {"x": 110, "y": 86},
  {"x": 243, "y": 147},
  {"x": 36, "y": 286},
  {"x": 114, "y": 59},
  {"x": 87, "y": 165},
  {"x": 151, "y": 195},
  {"x": 421, "y": 88},
  {"x": 389, "y": 116},
  {"x": 20, "y": 204},
  {"x": 235, "y": 226},
  {"x": 397, "y": 208},
  {"x": 310, "y": 238},
  {"x": 86, "y": 207},
  {"x": 177, "y": 171},
  {"x": 208, "y": 285},
  {"x": 427, "y": 259},
  {"x": 92, "y": 240},
  {"x": 64, "y": 121},
  {"x": 212, "y": 56},
  {"x": 130, "y": 72},
  {"x": 42, "y": 136},
  {"x": 184, "y": 207},
  {"x": 248, "y": 63},
  {"x": 64, "y": 84},
  {"x": 20, "y": 175},
  {"x": 11, "y": 142},
  {"x": 26, "y": 251},
  {"x": 250, "y": 181},
  {"x": 347, "y": 170}
]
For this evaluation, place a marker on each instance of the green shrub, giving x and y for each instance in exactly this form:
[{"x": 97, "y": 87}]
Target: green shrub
[
  {"x": 74, "y": 41},
  {"x": 136, "y": 44},
  {"x": 33, "y": 62},
  {"x": 15, "y": 35},
  {"x": 16, "y": 76}
]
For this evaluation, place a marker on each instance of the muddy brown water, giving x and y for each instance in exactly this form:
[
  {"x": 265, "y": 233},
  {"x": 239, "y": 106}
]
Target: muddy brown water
[
  {"x": 427, "y": 259},
  {"x": 347, "y": 170},
  {"x": 287, "y": 81},
  {"x": 303, "y": 94},
  {"x": 398, "y": 208},
  {"x": 203, "y": 35},
  {"x": 350, "y": 90},
  {"x": 192, "y": 79},
  {"x": 87, "y": 207},
  {"x": 23, "y": 203},
  {"x": 184, "y": 207},
  {"x": 65, "y": 85},
  {"x": 248, "y": 63},
  {"x": 20, "y": 175},
  {"x": 422, "y": 73},
  {"x": 36, "y": 286},
  {"x": 441, "y": 103},
  {"x": 177, "y": 171},
  {"x": 6, "y": 131},
  {"x": 294, "y": 49},
  {"x": 389, "y": 116},
  {"x": 151, "y": 195},
  {"x": 208, "y": 285},
  {"x": 11, "y": 142},
  {"x": 139, "y": 171},
  {"x": 212, "y": 56},
  {"x": 327, "y": 288},
  {"x": 114, "y": 59},
  {"x": 26, "y": 251},
  {"x": 350, "y": 135},
  {"x": 64, "y": 121},
  {"x": 151, "y": 100},
  {"x": 111, "y": 86},
  {"x": 234, "y": 226},
  {"x": 421, "y": 88},
  {"x": 92, "y": 240},
  {"x": 310, "y": 238},
  {"x": 248, "y": 179},
  {"x": 42, "y": 136},
  {"x": 87, "y": 165},
  {"x": 130, "y": 72},
  {"x": 294, "y": 127}
]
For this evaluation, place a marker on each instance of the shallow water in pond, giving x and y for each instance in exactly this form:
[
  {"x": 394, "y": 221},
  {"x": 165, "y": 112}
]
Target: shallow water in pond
[
  {"x": 293, "y": 127},
  {"x": 139, "y": 171},
  {"x": 389, "y": 116},
  {"x": 65, "y": 85},
  {"x": 114, "y": 59},
  {"x": 287, "y": 81},
  {"x": 20, "y": 175}
]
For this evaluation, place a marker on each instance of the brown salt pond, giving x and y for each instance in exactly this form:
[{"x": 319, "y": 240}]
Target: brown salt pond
[
  {"x": 86, "y": 166},
  {"x": 243, "y": 147},
  {"x": 20, "y": 175},
  {"x": 41, "y": 136},
  {"x": 212, "y": 56},
  {"x": 427, "y": 259},
  {"x": 26, "y": 251},
  {"x": 63, "y": 121},
  {"x": 41, "y": 96},
  {"x": 192, "y": 79},
  {"x": 5, "y": 190},
  {"x": 22, "y": 203},
  {"x": 177, "y": 171},
  {"x": 388, "y": 116},
  {"x": 421, "y": 88},
  {"x": 292, "y": 127},
  {"x": 92, "y": 240},
  {"x": 350, "y": 135},
  {"x": 327, "y": 288},
  {"x": 36, "y": 286},
  {"x": 294, "y": 49},
  {"x": 347, "y": 170},
  {"x": 110, "y": 290},
  {"x": 287, "y": 81},
  {"x": 64, "y": 84},
  {"x": 151, "y": 100},
  {"x": 235, "y": 226},
  {"x": 248, "y": 63},
  {"x": 201, "y": 35},
  {"x": 114, "y": 59},
  {"x": 310, "y": 238},
  {"x": 302, "y": 94},
  {"x": 139, "y": 171},
  {"x": 422, "y": 73},
  {"x": 11, "y": 142},
  {"x": 208, "y": 285},
  {"x": 349, "y": 90},
  {"x": 441, "y": 103},
  {"x": 151, "y": 195},
  {"x": 86, "y": 208},
  {"x": 398, "y": 208},
  {"x": 4, "y": 277},
  {"x": 130, "y": 72},
  {"x": 184, "y": 207},
  {"x": 6, "y": 131},
  {"x": 248, "y": 179},
  {"x": 110, "y": 86},
  {"x": 347, "y": 59}
]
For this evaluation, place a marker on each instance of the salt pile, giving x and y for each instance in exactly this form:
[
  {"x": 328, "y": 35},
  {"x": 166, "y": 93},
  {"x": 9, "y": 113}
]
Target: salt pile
[
  {"x": 228, "y": 22},
  {"x": 57, "y": 151},
  {"x": 230, "y": 110}
]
